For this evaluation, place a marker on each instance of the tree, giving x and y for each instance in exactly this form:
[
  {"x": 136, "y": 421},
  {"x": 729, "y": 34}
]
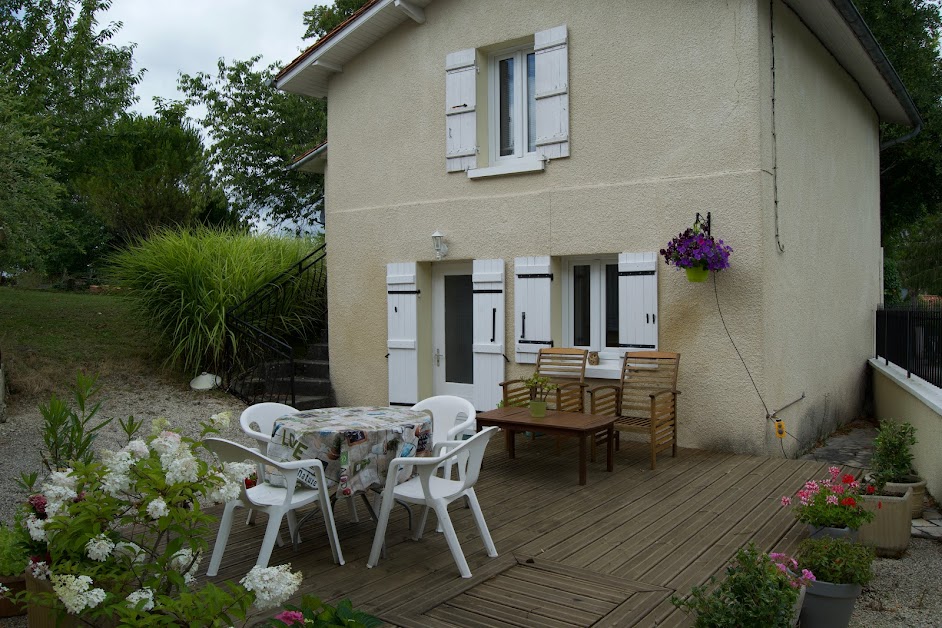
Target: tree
[
  {"x": 255, "y": 132},
  {"x": 911, "y": 171},
  {"x": 919, "y": 255},
  {"x": 28, "y": 192},
  {"x": 152, "y": 172},
  {"x": 322, "y": 19},
  {"x": 74, "y": 84}
]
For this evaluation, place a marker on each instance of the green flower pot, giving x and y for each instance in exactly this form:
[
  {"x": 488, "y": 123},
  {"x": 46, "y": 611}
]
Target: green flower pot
[
  {"x": 697, "y": 275},
  {"x": 538, "y": 409}
]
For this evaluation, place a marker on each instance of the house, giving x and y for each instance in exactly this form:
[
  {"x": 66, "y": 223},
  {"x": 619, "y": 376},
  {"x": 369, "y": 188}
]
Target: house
[{"x": 554, "y": 147}]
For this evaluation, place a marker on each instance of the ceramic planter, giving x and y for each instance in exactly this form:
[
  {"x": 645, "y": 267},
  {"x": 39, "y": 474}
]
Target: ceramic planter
[
  {"x": 538, "y": 409},
  {"x": 9, "y": 608},
  {"x": 890, "y": 530},
  {"x": 919, "y": 491},
  {"x": 697, "y": 275},
  {"x": 829, "y": 605},
  {"x": 817, "y": 532}
]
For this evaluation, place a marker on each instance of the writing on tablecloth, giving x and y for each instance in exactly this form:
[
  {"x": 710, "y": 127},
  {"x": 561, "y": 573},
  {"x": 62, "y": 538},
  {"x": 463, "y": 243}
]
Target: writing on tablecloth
[{"x": 288, "y": 439}]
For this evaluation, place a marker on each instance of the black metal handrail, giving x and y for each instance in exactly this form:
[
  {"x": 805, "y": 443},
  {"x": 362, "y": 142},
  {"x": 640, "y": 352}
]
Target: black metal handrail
[
  {"x": 289, "y": 309},
  {"x": 911, "y": 338}
]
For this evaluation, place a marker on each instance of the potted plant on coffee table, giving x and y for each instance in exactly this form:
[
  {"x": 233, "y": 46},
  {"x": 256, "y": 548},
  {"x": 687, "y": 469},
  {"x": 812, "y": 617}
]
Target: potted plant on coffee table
[
  {"x": 540, "y": 388},
  {"x": 831, "y": 507},
  {"x": 759, "y": 590},
  {"x": 841, "y": 568},
  {"x": 892, "y": 462}
]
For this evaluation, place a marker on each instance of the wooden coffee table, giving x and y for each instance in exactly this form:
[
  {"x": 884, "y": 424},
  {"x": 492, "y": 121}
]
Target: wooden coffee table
[{"x": 557, "y": 423}]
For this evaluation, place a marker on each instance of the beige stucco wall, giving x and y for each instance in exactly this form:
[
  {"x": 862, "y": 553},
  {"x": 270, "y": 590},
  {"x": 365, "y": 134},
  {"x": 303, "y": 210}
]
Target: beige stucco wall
[
  {"x": 897, "y": 398},
  {"x": 666, "y": 118},
  {"x": 821, "y": 291}
]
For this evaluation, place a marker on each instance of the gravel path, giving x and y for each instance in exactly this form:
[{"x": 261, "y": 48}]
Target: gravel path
[{"x": 146, "y": 399}]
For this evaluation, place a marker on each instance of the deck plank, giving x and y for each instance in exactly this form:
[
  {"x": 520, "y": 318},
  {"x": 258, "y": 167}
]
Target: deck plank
[{"x": 610, "y": 553}]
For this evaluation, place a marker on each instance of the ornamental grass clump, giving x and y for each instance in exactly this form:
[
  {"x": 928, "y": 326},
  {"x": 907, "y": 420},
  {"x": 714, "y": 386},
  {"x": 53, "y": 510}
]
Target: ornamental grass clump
[
  {"x": 698, "y": 250},
  {"x": 834, "y": 502},
  {"x": 759, "y": 590},
  {"x": 184, "y": 281}
]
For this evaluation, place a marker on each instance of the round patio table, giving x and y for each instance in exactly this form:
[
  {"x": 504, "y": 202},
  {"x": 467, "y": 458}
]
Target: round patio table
[{"x": 355, "y": 444}]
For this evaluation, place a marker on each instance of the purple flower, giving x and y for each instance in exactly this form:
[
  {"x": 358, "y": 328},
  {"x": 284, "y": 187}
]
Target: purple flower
[
  {"x": 290, "y": 617},
  {"x": 697, "y": 250}
]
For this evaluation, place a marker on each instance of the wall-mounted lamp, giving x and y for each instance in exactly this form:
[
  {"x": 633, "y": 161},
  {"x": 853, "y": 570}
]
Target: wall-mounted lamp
[{"x": 438, "y": 243}]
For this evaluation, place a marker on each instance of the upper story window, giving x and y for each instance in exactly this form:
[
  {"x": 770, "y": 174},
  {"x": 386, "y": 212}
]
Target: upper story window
[
  {"x": 507, "y": 109},
  {"x": 512, "y": 85}
]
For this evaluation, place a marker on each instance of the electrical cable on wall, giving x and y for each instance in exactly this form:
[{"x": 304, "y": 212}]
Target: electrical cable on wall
[{"x": 770, "y": 416}]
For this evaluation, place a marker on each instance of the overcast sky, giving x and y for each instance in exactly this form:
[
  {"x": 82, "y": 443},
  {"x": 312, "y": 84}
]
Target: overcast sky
[{"x": 174, "y": 36}]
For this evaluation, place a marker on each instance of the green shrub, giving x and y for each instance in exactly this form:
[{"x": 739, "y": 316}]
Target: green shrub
[
  {"x": 837, "y": 561},
  {"x": 185, "y": 281},
  {"x": 757, "y": 591},
  {"x": 13, "y": 556},
  {"x": 892, "y": 457}
]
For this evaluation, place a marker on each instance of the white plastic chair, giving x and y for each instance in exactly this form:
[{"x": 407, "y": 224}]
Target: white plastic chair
[
  {"x": 263, "y": 415},
  {"x": 432, "y": 491},
  {"x": 277, "y": 501},
  {"x": 452, "y": 418}
]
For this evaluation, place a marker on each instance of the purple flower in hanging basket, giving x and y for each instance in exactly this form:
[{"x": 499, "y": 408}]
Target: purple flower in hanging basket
[{"x": 692, "y": 249}]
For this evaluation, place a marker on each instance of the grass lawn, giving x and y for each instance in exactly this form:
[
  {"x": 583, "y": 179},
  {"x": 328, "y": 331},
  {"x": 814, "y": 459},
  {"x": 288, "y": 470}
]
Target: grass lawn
[{"x": 46, "y": 336}]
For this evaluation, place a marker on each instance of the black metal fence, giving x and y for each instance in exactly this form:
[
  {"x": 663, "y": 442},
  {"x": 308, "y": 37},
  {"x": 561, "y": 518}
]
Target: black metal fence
[
  {"x": 911, "y": 338},
  {"x": 289, "y": 310}
]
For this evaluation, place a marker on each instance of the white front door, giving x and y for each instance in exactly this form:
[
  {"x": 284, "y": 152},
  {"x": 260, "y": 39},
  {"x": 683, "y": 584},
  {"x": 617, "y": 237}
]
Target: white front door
[{"x": 453, "y": 329}]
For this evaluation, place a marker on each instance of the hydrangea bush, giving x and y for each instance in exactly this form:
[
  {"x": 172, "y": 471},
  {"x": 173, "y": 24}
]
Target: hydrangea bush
[
  {"x": 121, "y": 538},
  {"x": 834, "y": 502}
]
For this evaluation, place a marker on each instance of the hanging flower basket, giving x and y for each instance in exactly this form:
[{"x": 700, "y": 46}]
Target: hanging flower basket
[{"x": 697, "y": 253}]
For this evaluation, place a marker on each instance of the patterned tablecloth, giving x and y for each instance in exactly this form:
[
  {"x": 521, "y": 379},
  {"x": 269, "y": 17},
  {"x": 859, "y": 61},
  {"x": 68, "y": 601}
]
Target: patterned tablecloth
[{"x": 355, "y": 444}]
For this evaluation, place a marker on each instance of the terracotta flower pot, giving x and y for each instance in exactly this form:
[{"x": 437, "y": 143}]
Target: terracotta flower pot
[
  {"x": 9, "y": 608},
  {"x": 890, "y": 530}
]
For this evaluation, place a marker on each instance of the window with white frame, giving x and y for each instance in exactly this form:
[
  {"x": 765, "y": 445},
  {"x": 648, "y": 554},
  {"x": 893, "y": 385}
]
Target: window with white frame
[
  {"x": 512, "y": 123},
  {"x": 591, "y": 305},
  {"x": 526, "y": 93}
]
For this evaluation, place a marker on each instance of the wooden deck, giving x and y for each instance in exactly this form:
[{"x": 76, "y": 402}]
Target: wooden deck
[{"x": 610, "y": 553}]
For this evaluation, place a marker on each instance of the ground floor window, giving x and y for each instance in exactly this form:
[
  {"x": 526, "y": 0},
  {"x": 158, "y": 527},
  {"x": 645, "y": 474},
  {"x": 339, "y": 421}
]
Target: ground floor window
[{"x": 590, "y": 312}]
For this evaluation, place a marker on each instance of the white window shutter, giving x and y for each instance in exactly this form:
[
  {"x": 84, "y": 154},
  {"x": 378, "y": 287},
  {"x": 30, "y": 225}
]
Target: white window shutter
[
  {"x": 532, "y": 329},
  {"x": 402, "y": 333},
  {"x": 487, "y": 280},
  {"x": 552, "y": 92},
  {"x": 637, "y": 301},
  {"x": 461, "y": 134}
]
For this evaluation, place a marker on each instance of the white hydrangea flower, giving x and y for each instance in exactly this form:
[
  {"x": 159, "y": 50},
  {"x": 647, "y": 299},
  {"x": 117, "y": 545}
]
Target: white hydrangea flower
[
  {"x": 99, "y": 548},
  {"x": 226, "y": 491},
  {"x": 58, "y": 489},
  {"x": 220, "y": 420},
  {"x": 166, "y": 443},
  {"x": 39, "y": 570},
  {"x": 142, "y": 594},
  {"x": 181, "y": 563},
  {"x": 157, "y": 508},
  {"x": 271, "y": 585},
  {"x": 130, "y": 550},
  {"x": 62, "y": 479},
  {"x": 158, "y": 425},
  {"x": 116, "y": 484},
  {"x": 4, "y": 589},
  {"x": 137, "y": 448},
  {"x": 76, "y": 592},
  {"x": 238, "y": 471},
  {"x": 36, "y": 528},
  {"x": 182, "y": 468}
]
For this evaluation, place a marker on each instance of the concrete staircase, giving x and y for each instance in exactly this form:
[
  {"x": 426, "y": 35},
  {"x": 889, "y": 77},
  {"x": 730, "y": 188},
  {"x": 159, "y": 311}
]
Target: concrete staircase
[{"x": 312, "y": 387}]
